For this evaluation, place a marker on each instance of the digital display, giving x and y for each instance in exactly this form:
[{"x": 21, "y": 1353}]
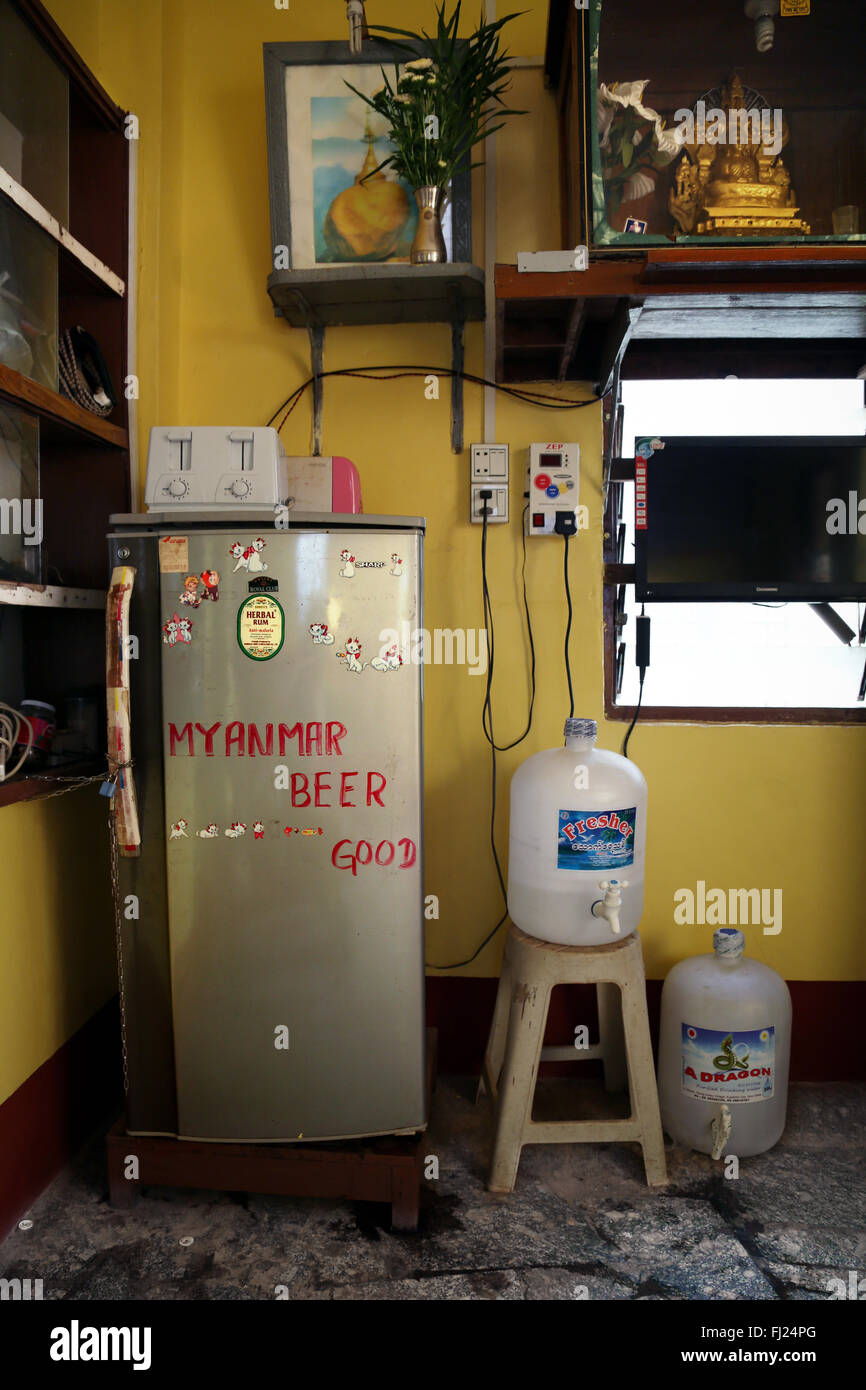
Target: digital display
[{"x": 550, "y": 461}]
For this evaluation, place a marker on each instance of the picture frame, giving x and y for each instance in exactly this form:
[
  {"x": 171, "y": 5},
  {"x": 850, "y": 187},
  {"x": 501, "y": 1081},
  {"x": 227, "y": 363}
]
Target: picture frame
[{"x": 313, "y": 121}]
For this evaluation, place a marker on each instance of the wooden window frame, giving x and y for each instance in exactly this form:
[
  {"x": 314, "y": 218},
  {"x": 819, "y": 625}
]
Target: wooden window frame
[{"x": 615, "y": 573}]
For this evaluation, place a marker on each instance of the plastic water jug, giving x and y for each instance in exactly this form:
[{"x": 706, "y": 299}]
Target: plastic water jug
[
  {"x": 578, "y": 835},
  {"x": 723, "y": 1051}
]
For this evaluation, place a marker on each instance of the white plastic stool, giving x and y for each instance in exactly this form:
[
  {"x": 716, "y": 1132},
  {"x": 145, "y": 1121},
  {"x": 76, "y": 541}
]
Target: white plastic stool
[{"x": 530, "y": 970}]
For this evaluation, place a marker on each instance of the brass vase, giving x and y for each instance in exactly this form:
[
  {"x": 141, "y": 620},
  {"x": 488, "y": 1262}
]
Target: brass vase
[{"x": 428, "y": 248}]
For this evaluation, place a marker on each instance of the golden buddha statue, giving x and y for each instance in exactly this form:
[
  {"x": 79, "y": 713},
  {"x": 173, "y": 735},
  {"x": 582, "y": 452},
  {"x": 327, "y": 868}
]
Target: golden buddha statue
[
  {"x": 366, "y": 222},
  {"x": 735, "y": 183}
]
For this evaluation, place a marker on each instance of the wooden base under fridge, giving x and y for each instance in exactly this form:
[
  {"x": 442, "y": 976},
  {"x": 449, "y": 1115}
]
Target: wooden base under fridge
[{"x": 386, "y": 1169}]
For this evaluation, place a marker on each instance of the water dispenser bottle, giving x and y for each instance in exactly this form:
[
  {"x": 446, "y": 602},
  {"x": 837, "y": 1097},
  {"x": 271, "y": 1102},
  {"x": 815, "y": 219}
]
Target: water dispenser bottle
[
  {"x": 578, "y": 835},
  {"x": 724, "y": 1045}
]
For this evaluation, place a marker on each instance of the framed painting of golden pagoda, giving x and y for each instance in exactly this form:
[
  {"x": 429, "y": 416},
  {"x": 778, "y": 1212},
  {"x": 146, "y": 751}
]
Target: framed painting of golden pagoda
[
  {"x": 330, "y": 203},
  {"x": 709, "y": 124}
]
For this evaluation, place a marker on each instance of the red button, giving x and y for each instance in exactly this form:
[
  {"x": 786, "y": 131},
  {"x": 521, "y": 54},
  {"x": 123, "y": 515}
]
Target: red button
[
  {"x": 538, "y": 519},
  {"x": 542, "y": 481}
]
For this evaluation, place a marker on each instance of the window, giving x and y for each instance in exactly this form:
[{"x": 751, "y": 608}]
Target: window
[{"x": 719, "y": 659}]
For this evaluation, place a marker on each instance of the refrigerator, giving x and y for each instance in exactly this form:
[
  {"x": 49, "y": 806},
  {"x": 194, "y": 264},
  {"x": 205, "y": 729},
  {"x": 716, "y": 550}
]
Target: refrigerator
[{"x": 270, "y": 923}]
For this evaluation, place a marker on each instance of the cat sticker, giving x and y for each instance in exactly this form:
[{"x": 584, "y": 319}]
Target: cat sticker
[
  {"x": 319, "y": 633},
  {"x": 390, "y": 660},
  {"x": 249, "y": 558},
  {"x": 351, "y": 657}
]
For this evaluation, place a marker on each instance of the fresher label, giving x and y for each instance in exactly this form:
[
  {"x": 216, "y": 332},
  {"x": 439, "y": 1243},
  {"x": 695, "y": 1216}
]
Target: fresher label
[
  {"x": 728, "y": 1068},
  {"x": 261, "y": 627},
  {"x": 596, "y": 839}
]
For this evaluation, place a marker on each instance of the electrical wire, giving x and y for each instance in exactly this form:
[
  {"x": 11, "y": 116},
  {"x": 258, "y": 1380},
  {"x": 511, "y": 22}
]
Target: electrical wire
[
  {"x": 397, "y": 370},
  {"x": 566, "y": 538},
  {"x": 489, "y": 633},
  {"x": 487, "y": 723},
  {"x": 11, "y": 721},
  {"x": 634, "y": 719}
]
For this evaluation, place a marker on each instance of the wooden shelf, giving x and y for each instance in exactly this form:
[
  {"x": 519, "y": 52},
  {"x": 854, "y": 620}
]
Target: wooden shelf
[
  {"x": 367, "y": 294},
  {"x": 41, "y": 217},
  {"x": 701, "y": 311},
  {"x": 33, "y": 786},
  {"x": 25, "y": 595},
  {"x": 59, "y": 417}
]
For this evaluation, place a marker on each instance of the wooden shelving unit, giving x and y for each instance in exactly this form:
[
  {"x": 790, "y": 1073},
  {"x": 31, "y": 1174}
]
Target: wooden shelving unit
[
  {"x": 59, "y": 415},
  {"x": 369, "y": 294},
  {"x": 366, "y": 294},
  {"x": 690, "y": 311},
  {"x": 51, "y": 640}
]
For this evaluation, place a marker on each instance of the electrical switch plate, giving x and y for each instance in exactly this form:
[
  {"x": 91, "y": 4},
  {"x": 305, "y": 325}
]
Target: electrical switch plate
[
  {"x": 497, "y": 504},
  {"x": 489, "y": 462},
  {"x": 552, "y": 485}
]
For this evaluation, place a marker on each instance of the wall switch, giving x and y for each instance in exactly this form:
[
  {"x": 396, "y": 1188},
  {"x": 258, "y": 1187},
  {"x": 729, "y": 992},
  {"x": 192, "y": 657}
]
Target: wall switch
[
  {"x": 552, "y": 485},
  {"x": 497, "y": 504},
  {"x": 489, "y": 461}
]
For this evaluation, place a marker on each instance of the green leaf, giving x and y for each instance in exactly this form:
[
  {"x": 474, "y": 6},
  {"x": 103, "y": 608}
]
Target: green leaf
[{"x": 625, "y": 150}]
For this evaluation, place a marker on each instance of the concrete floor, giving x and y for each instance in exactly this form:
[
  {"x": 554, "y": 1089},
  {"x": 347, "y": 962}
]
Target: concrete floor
[{"x": 580, "y": 1223}]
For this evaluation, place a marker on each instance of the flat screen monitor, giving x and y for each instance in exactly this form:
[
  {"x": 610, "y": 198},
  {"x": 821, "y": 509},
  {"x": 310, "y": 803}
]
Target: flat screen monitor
[{"x": 752, "y": 519}]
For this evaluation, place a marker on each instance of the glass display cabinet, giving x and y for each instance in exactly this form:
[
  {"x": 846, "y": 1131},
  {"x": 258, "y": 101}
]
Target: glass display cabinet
[{"x": 724, "y": 123}]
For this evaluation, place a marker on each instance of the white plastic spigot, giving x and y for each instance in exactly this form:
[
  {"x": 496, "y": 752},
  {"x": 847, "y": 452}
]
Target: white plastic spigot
[{"x": 609, "y": 906}]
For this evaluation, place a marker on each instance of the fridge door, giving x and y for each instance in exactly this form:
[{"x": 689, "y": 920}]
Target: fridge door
[{"x": 292, "y": 756}]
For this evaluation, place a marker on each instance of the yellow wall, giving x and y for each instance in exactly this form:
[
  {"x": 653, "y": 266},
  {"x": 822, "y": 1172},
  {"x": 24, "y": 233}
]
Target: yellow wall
[{"x": 735, "y": 806}]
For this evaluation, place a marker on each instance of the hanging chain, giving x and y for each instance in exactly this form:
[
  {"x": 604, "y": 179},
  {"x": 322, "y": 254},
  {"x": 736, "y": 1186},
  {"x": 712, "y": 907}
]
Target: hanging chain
[{"x": 115, "y": 893}]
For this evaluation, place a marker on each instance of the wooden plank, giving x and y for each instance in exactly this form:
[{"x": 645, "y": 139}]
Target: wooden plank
[
  {"x": 20, "y": 390},
  {"x": 379, "y": 294},
  {"x": 379, "y": 1169},
  {"x": 33, "y": 786},
  {"x": 49, "y": 596},
  {"x": 572, "y": 334},
  {"x": 819, "y": 269},
  {"x": 616, "y": 340},
  {"x": 27, "y": 204}
]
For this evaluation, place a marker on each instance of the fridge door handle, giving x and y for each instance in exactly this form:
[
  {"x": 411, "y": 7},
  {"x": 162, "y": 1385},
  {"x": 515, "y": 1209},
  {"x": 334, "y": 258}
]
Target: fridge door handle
[{"x": 117, "y": 652}]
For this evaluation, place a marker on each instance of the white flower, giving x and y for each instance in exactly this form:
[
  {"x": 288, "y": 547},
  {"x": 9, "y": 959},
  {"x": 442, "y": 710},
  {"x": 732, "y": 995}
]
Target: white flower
[
  {"x": 419, "y": 64},
  {"x": 637, "y": 186},
  {"x": 630, "y": 94}
]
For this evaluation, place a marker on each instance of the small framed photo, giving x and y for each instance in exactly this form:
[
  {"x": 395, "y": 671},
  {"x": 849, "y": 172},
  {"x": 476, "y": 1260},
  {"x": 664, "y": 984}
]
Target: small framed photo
[
  {"x": 323, "y": 143},
  {"x": 635, "y": 224}
]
